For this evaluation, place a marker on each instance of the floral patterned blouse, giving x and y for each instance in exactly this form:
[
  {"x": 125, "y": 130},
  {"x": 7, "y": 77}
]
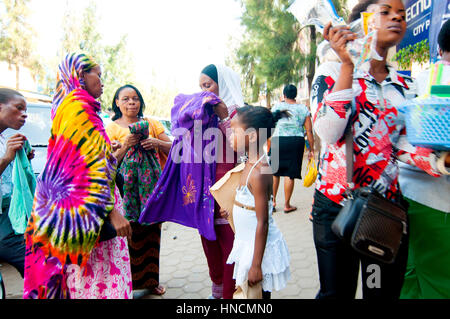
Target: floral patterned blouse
[{"x": 292, "y": 126}]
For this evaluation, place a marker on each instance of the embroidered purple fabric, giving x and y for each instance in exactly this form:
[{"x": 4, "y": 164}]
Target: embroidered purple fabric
[{"x": 182, "y": 193}]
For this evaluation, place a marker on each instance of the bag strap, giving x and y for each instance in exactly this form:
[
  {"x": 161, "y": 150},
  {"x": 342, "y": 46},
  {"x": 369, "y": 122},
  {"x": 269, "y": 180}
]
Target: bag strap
[
  {"x": 349, "y": 148},
  {"x": 349, "y": 138},
  {"x": 251, "y": 169},
  {"x": 349, "y": 156}
]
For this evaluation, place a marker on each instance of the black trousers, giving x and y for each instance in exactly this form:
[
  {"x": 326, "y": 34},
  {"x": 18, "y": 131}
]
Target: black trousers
[
  {"x": 12, "y": 246},
  {"x": 339, "y": 263}
]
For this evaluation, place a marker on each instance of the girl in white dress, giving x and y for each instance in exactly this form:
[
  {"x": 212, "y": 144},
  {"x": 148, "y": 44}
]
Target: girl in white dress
[{"x": 259, "y": 251}]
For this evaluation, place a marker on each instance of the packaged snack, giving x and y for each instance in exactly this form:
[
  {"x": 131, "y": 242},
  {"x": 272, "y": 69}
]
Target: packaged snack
[
  {"x": 367, "y": 21},
  {"x": 322, "y": 13},
  {"x": 363, "y": 48}
]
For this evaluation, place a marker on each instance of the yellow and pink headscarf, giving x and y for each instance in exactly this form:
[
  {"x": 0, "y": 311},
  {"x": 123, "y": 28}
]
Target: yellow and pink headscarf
[{"x": 69, "y": 76}]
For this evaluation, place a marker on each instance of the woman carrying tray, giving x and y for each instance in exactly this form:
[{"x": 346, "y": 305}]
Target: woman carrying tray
[{"x": 428, "y": 273}]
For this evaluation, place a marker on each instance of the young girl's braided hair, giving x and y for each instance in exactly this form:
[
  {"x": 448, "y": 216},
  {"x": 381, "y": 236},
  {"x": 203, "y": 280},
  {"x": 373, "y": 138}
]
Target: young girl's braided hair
[{"x": 258, "y": 117}]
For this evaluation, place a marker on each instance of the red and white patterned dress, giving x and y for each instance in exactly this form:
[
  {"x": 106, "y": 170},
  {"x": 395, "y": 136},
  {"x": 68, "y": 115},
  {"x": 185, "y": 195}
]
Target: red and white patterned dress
[{"x": 379, "y": 135}]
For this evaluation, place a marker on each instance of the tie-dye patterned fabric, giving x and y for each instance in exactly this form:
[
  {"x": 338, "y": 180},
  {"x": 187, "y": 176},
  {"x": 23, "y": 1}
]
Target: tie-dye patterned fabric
[
  {"x": 68, "y": 78},
  {"x": 108, "y": 273},
  {"x": 74, "y": 193}
]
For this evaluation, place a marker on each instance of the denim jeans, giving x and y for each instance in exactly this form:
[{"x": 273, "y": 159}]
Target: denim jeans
[{"x": 339, "y": 263}]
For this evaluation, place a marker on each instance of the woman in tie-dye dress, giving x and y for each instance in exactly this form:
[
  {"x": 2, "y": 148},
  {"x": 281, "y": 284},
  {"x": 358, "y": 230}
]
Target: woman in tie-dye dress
[{"x": 75, "y": 196}]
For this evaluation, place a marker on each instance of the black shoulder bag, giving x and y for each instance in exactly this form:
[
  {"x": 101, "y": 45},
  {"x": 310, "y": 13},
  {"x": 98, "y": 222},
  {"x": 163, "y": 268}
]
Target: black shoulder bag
[{"x": 372, "y": 224}]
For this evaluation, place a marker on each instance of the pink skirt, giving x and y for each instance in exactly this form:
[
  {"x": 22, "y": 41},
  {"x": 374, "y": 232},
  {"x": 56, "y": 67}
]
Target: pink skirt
[{"x": 107, "y": 274}]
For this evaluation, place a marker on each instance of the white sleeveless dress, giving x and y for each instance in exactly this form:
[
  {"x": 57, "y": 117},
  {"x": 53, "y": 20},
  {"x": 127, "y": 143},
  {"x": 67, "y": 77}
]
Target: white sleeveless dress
[{"x": 275, "y": 263}]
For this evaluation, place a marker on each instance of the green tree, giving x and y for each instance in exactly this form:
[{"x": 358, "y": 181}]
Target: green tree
[
  {"x": 267, "y": 54},
  {"x": 82, "y": 35},
  {"x": 16, "y": 38},
  {"x": 158, "y": 99},
  {"x": 341, "y": 8}
]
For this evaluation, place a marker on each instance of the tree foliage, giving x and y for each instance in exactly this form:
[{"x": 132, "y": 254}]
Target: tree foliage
[
  {"x": 419, "y": 53},
  {"x": 16, "y": 38},
  {"x": 82, "y": 35},
  {"x": 341, "y": 8},
  {"x": 267, "y": 55}
]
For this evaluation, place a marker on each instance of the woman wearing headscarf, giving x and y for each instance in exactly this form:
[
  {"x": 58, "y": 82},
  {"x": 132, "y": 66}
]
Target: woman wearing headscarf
[
  {"x": 225, "y": 83},
  {"x": 182, "y": 193},
  {"x": 75, "y": 199},
  {"x": 139, "y": 163}
]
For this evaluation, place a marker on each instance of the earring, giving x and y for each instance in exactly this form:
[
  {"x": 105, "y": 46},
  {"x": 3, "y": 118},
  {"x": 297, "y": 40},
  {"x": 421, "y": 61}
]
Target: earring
[{"x": 244, "y": 158}]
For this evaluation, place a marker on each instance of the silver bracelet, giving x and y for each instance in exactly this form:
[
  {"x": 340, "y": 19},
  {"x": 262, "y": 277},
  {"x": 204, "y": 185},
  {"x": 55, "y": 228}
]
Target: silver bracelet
[{"x": 224, "y": 120}]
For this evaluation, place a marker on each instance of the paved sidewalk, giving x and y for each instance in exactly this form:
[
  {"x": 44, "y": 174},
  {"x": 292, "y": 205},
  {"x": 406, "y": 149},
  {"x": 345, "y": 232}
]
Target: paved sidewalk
[
  {"x": 183, "y": 267},
  {"x": 184, "y": 271}
]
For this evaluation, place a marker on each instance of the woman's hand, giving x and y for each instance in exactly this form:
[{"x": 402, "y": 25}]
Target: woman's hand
[
  {"x": 115, "y": 145},
  {"x": 150, "y": 143},
  {"x": 131, "y": 140},
  {"x": 221, "y": 110},
  {"x": 121, "y": 224},
  {"x": 14, "y": 144},
  {"x": 31, "y": 155},
  {"x": 224, "y": 213},
  {"x": 326, "y": 31},
  {"x": 254, "y": 275},
  {"x": 338, "y": 37},
  {"x": 310, "y": 155}
]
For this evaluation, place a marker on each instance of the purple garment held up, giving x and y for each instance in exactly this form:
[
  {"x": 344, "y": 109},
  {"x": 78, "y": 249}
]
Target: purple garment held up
[{"x": 182, "y": 193}]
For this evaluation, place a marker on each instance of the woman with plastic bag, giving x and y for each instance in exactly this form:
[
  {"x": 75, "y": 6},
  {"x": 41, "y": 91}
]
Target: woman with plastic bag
[{"x": 376, "y": 90}]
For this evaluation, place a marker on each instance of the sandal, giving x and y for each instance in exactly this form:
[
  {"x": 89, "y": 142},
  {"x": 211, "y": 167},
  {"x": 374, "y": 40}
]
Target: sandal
[
  {"x": 160, "y": 290},
  {"x": 291, "y": 209}
]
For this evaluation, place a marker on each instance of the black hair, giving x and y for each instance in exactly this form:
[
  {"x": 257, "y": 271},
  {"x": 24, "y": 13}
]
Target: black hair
[
  {"x": 290, "y": 91},
  {"x": 258, "y": 117},
  {"x": 211, "y": 71},
  {"x": 116, "y": 109},
  {"x": 361, "y": 6},
  {"x": 7, "y": 95},
  {"x": 444, "y": 37}
]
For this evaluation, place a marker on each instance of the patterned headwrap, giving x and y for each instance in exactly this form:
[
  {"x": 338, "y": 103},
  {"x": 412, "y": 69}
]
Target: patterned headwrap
[{"x": 69, "y": 76}]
